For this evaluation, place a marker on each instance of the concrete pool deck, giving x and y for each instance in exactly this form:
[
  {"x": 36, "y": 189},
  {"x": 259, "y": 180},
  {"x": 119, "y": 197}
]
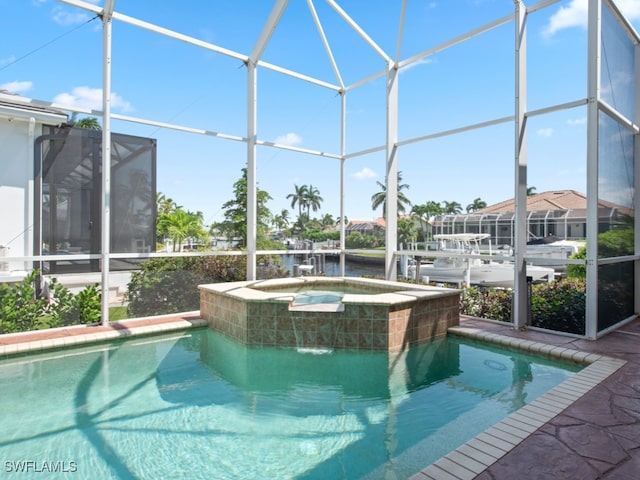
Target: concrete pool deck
[{"x": 586, "y": 428}]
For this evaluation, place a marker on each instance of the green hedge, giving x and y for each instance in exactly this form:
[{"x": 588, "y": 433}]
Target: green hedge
[
  {"x": 557, "y": 305},
  {"x": 170, "y": 285},
  {"x": 22, "y": 309}
]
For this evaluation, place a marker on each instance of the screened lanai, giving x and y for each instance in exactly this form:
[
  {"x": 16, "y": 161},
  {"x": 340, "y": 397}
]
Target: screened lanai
[{"x": 341, "y": 94}]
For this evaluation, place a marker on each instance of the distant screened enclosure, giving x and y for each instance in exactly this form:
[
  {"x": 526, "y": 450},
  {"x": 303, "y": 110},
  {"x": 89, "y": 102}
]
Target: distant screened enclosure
[
  {"x": 354, "y": 108},
  {"x": 68, "y": 196}
]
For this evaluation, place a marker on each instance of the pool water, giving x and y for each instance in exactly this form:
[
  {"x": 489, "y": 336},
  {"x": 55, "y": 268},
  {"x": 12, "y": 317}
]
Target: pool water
[
  {"x": 199, "y": 406},
  {"x": 317, "y": 296}
]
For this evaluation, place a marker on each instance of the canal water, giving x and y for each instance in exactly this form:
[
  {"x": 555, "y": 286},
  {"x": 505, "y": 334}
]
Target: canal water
[{"x": 353, "y": 268}]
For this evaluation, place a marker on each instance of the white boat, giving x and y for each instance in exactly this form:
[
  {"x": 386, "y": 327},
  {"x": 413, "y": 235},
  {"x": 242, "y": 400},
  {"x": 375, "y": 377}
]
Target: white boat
[
  {"x": 488, "y": 271},
  {"x": 551, "y": 249}
]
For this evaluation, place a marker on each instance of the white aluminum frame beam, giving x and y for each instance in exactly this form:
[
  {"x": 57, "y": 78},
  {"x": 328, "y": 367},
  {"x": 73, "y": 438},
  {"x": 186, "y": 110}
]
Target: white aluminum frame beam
[
  {"x": 593, "y": 111},
  {"x": 106, "y": 158},
  {"x": 403, "y": 14},
  {"x": 455, "y": 41},
  {"x": 252, "y": 128},
  {"x": 325, "y": 43},
  {"x": 359, "y": 31},
  {"x": 343, "y": 162},
  {"x": 622, "y": 20},
  {"x": 391, "y": 200},
  {"x": 252, "y": 189},
  {"x": 199, "y": 43},
  {"x": 520, "y": 300},
  {"x": 636, "y": 167}
]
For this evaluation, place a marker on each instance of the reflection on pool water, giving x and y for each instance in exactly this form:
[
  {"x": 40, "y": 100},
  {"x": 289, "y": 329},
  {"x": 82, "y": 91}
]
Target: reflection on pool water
[{"x": 199, "y": 405}]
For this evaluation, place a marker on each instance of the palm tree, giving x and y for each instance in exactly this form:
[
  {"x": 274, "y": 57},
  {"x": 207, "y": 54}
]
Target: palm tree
[
  {"x": 166, "y": 207},
  {"x": 531, "y": 191},
  {"x": 284, "y": 214},
  {"x": 281, "y": 220},
  {"x": 452, "y": 208},
  {"x": 327, "y": 220},
  {"x": 477, "y": 204},
  {"x": 299, "y": 197},
  {"x": 182, "y": 224},
  {"x": 235, "y": 211},
  {"x": 380, "y": 198},
  {"x": 424, "y": 213},
  {"x": 90, "y": 123},
  {"x": 312, "y": 199},
  {"x": 406, "y": 231},
  {"x": 165, "y": 204}
]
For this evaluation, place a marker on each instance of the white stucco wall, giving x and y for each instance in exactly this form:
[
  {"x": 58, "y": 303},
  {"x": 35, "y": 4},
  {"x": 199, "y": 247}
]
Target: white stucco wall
[
  {"x": 18, "y": 130},
  {"x": 16, "y": 188}
]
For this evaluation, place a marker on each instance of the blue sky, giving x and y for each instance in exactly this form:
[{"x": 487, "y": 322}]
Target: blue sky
[{"x": 51, "y": 51}]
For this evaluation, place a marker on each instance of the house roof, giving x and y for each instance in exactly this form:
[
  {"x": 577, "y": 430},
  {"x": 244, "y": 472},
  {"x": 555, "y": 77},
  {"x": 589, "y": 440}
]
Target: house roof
[
  {"x": 552, "y": 200},
  {"x": 12, "y": 105},
  {"x": 363, "y": 224}
]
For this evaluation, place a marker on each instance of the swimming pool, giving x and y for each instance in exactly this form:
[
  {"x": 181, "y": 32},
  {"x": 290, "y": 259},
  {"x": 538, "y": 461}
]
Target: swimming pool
[{"x": 199, "y": 405}]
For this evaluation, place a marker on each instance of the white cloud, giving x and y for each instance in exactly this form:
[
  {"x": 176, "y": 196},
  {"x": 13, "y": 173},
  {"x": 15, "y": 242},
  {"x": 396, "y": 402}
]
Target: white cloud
[
  {"x": 16, "y": 87},
  {"x": 545, "y": 132},
  {"x": 365, "y": 174},
  {"x": 617, "y": 80},
  {"x": 68, "y": 17},
  {"x": 290, "y": 139},
  {"x": 572, "y": 15},
  {"x": 86, "y": 97},
  {"x": 629, "y": 8},
  {"x": 575, "y": 14},
  {"x": 577, "y": 121}
]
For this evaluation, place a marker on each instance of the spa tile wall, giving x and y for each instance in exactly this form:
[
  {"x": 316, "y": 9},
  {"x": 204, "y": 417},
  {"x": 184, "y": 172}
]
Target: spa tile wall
[{"x": 360, "y": 326}]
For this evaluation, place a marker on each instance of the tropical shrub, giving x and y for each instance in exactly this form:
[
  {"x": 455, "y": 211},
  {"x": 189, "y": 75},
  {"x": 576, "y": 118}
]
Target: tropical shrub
[
  {"x": 87, "y": 305},
  {"x": 486, "y": 303},
  {"x": 20, "y": 307},
  {"x": 358, "y": 240},
  {"x": 558, "y": 305},
  {"x": 170, "y": 285},
  {"x": 578, "y": 271},
  {"x": 23, "y": 308}
]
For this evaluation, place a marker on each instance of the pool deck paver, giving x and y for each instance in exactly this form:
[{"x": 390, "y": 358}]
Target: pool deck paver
[{"x": 586, "y": 428}]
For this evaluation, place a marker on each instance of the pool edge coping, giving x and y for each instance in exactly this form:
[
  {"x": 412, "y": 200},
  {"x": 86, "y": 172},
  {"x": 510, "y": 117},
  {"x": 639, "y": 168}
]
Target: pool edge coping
[
  {"x": 477, "y": 454},
  {"x": 10, "y": 350}
]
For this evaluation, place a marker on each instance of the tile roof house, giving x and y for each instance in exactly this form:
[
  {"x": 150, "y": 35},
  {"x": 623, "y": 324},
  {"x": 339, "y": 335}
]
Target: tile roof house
[
  {"x": 375, "y": 227},
  {"x": 553, "y": 200},
  {"x": 561, "y": 213}
]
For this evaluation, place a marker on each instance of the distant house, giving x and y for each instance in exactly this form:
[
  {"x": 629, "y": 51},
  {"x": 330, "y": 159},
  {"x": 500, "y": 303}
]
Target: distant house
[
  {"x": 374, "y": 227},
  {"x": 559, "y": 213}
]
